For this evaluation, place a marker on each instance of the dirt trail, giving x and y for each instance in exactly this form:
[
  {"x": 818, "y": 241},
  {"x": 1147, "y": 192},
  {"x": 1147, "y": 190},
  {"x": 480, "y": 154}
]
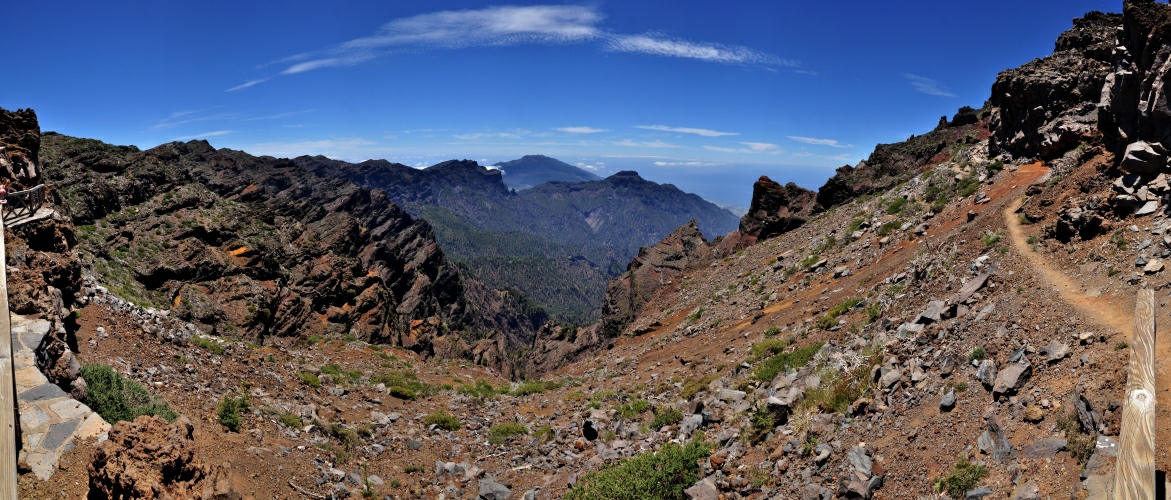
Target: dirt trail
[{"x": 1117, "y": 315}]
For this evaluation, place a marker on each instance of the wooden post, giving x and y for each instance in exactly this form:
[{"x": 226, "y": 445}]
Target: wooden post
[
  {"x": 1134, "y": 478},
  {"x": 9, "y": 418}
]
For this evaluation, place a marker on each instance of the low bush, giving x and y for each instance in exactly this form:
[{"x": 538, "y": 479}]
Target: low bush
[
  {"x": 503, "y": 432},
  {"x": 692, "y": 386},
  {"x": 443, "y": 420},
  {"x": 664, "y": 474},
  {"x": 964, "y": 477},
  {"x": 634, "y": 409},
  {"x": 207, "y": 344},
  {"x": 310, "y": 379},
  {"x": 117, "y": 398},
  {"x": 769, "y": 369},
  {"x": 229, "y": 410},
  {"x": 666, "y": 416}
]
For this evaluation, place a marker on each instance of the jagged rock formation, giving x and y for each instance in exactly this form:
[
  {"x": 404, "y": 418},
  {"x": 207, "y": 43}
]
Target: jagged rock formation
[
  {"x": 20, "y": 142},
  {"x": 647, "y": 273},
  {"x": 1049, "y": 105},
  {"x": 1134, "y": 98},
  {"x": 776, "y": 209},
  {"x": 254, "y": 247},
  {"x": 150, "y": 459}
]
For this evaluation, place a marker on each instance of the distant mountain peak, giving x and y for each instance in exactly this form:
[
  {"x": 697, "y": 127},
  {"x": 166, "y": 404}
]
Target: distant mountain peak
[
  {"x": 626, "y": 173},
  {"x": 533, "y": 170}
]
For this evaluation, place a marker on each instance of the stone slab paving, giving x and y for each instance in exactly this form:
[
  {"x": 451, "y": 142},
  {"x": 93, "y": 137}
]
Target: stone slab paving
[{"x": 50, "y": 420}]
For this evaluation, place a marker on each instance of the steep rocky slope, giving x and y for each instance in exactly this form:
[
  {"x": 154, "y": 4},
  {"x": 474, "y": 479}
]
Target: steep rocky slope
[
  {"x": 961, "y": 331},
  {"x": 254, "y": 248},
  {"x": 558, "y": 243}
]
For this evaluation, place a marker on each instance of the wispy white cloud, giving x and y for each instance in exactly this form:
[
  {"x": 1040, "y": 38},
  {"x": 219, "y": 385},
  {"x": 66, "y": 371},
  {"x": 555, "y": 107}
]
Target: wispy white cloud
[
  {"x": 477, "y": 136},
  {"x": 658, "y": 44},
  {"x": 645, "y": 144},
  {"x": 688, "y": 164},
  {"x": 214, "y": 133},
  {"x": 592, "y": 168},
  {"x": 512, "y": 25},
  {"x": 189, "y": 116},
  {"x": 248, "y": 83},
  {"x": 686, "y": 130},
  {"x": 280, "y": 115},
  {"x": 581, "y": 130},
  {"x": 820, "y": 142},
  {"x": 928, "y": 86},
  {"x": 750, "y": 148}
]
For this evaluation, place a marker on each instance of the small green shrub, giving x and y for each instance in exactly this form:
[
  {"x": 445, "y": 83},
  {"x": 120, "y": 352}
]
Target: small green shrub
[
  {"x": 117, "y": 398},
  {"x": 967, "y": 186},
  {"x": 230, "y": 407},
  {"x": 964, "y": 477},
  {"x": 831, "y": 316},
  {"x": 990, "y": 238},
  {"x": 889, "y": 227},
  {"x": 401, "y": 392},
  {"x": 347, "y": 437},
  {"x": 634, "y": 409},
  {"x": 666, "y": 416},
  {"x": 1121, "y": 345},
  {"x": 290, "y": 420},
  {"x": 661, "y": 475},
  {"x": 772, "y": 331},
  {"x": 310, "y": 379},
  {"x": 896, "y": 206},
  {"x": 767, "y": 370},
  {"x": 443, "y": 420},
  {"x": 544, "y": 434},
  {"x": 768, "y": 347},
  {"x": 977, "y": 354},
  {"x": 481, "y": 391},
  {"x": 761, "y": 424},
  {"x": 207, "y": 345},
  {"x": 692, "y": 386},
  {"x": 503, "y": 432}
]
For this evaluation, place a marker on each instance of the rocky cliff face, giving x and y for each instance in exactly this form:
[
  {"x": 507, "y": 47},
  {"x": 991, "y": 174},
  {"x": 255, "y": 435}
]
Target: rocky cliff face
[
  {"x": 776, "y": 209},
  {"x": 254, "y": 248},
  {"x": 1048, "y": 106},
  {"x": 20, "y": 142},
  {"x": 1134, "y": 96},
  {"x": 655, "y": 266}
]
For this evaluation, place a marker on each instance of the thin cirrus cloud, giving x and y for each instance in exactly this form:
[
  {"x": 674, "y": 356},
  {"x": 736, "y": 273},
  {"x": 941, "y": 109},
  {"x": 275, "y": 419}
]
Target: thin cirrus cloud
[
  {"x": 581, "y": 130},
  {"x": 214, "y": 133},
  {"x": 645, "y": 144},
  {"x": 512, "y": 25},
  {"x": 820, "y": 142},
  {"x": 749, "y": 148},
  {"x": 687, "y": 130},
  {"x": 927, "y": 86}
]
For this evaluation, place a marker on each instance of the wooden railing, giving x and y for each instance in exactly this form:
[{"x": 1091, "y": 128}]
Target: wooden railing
[
  {"x": 1134, "y": 477},
  {"x": 8, "y": 405},
  {"x": 24, "y": 203}
]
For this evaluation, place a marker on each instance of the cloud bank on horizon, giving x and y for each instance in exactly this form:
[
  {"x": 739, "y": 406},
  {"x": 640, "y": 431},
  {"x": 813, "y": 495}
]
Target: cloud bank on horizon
[{"x": 511, "y": 25}]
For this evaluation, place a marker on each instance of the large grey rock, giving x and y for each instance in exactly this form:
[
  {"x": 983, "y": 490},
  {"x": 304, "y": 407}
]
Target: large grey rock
[
  {"x": 890, "y": 378},
  {"x": 1012, "y": 378},
  {"x": 1030, "y": 491},
  {"x": 691, "y": 423},
  {"x": 948, "y": 401},
  {"x": 859, "y": 458},
  {"x": 937, "y": 310},
  {"x": 977, "y": 493},
  {"x": 492, "y": 490},
  {"x": 1142, "y": 158},
  {"x": 994, "y": 442},
  {"x": 705, "y": 489},
  {"x": 986, "y": 374},
  {"x": 1045, "y": 448},
  {"x": 1054, "y": 351}
]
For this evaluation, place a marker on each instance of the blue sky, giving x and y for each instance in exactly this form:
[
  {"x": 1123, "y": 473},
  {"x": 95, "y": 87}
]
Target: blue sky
[{"x": 702, "y": 95}]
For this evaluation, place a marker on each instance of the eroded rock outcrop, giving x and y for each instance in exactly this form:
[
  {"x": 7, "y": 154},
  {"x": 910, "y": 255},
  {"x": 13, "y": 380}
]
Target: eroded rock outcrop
[
  {"x": 1134, "y": 98},
  {"x": 776, "y": 209},
  {"x": 648, "y": 272},
  {"x": 20, "y": 142},
  {"x": 149, "y": 459},
  {"x": 1049, "y": 105}
]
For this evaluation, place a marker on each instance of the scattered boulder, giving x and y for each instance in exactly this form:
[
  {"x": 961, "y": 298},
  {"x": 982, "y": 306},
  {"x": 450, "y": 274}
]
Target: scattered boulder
[
  {"x": 1012, "y": 378},
  {"x": 1045, "y": 448},
  {"x": 704, "y": 489},
  {"x": 994, "y": 442},
  {"x": 986, "y": 374},
  {"x": 149, "y": 459},
  {"x": 1054, "y": 351},
  {"x": 1142, "y": 157},
  {"x": 492, "y": 490},
  {"x": 948, "y": 401}
]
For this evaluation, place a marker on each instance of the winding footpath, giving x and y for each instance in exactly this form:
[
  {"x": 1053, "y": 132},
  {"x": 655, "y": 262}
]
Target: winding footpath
[{"x": 1116, "y": 315}]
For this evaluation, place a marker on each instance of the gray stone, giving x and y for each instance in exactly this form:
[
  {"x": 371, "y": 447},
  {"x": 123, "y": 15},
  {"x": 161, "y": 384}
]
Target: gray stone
[
  {"x": 1153, "y": 266},
  {"x": 994, "y": 442},
  {"x": 1044, "y": 448},
  {"x": 1054, "y": 351},
  {"x": 1012, "y": 378},
  {"x": 375, "y": 480},
  {"x": 948, "y": 401},
  {"x": 492, "y": 490},
  {"x": 1030, "y": 491},
  {"x": 691, "y": 423},
  {"x": 704, "y": 489},
  {"x": 937, "y": 310},
  {"x": 977, "y": 493},
  {"x": 730, "y": 395},
  {"x": 986, "y": 374},
  {"x": 890, "y": 378},
  {"x": 42, "y": 392},
  {"x": 1107, "y": 446},
  {"x": 860, "y": 460},
  {"x": 909, "y": 329},
  {"x": 1147, "y": 208},
  {"x": 58, "y": 434},
  {"x": 1141, "y": 158},
  {"x": 414, "y": 445},
  {"x": 33, "y": 417}
]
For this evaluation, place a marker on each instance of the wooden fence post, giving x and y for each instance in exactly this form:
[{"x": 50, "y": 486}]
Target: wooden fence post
[
  {"x": 1134, "y": 478},
  {"x": 8, "y": 406}
]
